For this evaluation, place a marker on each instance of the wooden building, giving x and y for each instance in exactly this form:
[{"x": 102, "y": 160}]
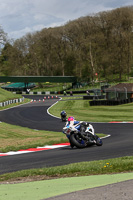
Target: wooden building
[{"x": 120, "y": 91}]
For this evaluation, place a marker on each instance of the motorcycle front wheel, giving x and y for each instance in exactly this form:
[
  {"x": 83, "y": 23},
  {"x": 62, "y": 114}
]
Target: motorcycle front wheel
[
  {"x": 98, "y": 141},
  {"x": 77, "y": 141}
]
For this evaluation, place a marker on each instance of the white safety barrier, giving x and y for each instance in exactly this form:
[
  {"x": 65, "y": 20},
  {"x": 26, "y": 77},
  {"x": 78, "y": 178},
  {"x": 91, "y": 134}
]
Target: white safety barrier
[
  {"x": 6, "y": 103},
  {"x": 39, "y": 92}
]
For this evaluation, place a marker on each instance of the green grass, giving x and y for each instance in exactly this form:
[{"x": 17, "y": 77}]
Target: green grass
[
  {"x": 81, "y": 110},
  {"x": 6, "y": 95},
  {"x": 109, "y": 166},
  {"x": 13, "y": 138}
]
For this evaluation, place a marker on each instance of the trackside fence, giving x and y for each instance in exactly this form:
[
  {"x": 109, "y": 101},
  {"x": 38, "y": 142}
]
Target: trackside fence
[{"x": 51, "y": 92}]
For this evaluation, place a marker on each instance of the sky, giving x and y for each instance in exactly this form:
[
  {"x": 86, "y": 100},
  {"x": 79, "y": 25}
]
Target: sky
[{"x": 19, "y": 17}]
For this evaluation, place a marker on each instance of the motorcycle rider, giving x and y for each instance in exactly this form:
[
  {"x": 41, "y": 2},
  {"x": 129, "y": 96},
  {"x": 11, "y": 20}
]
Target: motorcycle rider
[
  {"x": 71, "y": 120},
  {"x": 79, "y": 125},
  {"x": 63, "y": 115}
]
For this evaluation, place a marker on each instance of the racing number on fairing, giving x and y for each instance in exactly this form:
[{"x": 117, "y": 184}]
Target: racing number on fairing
[{"x": 68, "y": 131}]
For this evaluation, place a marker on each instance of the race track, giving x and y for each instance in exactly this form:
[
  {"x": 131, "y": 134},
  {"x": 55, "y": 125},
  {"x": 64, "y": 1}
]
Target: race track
[{"x": 34, "y": 115}]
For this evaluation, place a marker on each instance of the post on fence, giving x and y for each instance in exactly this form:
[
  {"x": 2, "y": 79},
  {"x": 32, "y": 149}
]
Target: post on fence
[{"x": 125, "y": 92}]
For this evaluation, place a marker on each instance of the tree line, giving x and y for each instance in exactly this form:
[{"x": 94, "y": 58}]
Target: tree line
[{"x": 92, "y": 46}]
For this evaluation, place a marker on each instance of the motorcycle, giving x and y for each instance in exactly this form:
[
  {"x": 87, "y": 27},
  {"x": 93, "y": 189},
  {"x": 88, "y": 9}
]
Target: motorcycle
[
  {"x": 63, "y": 116},
  {"x": 81, "y": 135}
]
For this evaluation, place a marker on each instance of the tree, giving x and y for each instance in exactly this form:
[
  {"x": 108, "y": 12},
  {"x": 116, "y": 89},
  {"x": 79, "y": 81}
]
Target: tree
[{"x": 102, "y": 43}]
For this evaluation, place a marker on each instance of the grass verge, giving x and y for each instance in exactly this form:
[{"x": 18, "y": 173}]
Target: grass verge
[
  {"x": 6, "y": 95},
  {"x": 13, "y": 138},
  {"x": 109, "y": 166},
  {"x": 82, "y": 110}
]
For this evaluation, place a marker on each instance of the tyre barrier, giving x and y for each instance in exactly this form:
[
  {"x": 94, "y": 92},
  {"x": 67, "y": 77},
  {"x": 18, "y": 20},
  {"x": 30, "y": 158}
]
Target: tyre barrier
[
  {"x": 109, "y": 102},
  {"x": 94, "y": 97},
  {"x": 6, "y": 103}
]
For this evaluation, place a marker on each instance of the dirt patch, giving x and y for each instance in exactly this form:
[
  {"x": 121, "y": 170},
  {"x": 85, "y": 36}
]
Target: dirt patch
[{"x": 30, "y": 179}]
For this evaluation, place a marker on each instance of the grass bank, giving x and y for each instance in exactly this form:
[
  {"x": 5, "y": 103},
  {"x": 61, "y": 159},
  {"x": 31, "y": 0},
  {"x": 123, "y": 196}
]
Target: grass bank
[
  {"x": 6, "y": 95},
  {"x": 109, "y": 166},
  {"x": 13, "y": 138}
]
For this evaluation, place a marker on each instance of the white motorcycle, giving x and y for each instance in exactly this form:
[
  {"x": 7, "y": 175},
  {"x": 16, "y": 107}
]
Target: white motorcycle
[{"x": 81, "y": 135}]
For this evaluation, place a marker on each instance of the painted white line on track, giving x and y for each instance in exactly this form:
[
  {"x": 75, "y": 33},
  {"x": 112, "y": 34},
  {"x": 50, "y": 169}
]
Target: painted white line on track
[
  {"x": 17, "y": 152},
  {"x": 56, "y": 146},
  {"x": 51, "y": 107},
  {"x": 106, "y": 136}
]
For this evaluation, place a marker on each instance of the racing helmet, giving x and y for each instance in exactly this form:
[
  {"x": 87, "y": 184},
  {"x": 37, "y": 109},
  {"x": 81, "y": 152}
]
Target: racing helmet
[{"x": 70, "y": 119}]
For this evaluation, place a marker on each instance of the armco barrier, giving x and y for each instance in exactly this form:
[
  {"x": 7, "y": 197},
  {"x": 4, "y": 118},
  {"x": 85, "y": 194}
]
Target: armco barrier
[
  {"x": 6, "y": 103},
  {"x": 109, "y": 102}
]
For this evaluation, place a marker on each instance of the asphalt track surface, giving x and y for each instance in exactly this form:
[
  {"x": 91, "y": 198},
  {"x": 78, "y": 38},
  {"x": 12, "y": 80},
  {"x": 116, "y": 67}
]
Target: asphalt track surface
[{"x": 34, "y": 115}]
